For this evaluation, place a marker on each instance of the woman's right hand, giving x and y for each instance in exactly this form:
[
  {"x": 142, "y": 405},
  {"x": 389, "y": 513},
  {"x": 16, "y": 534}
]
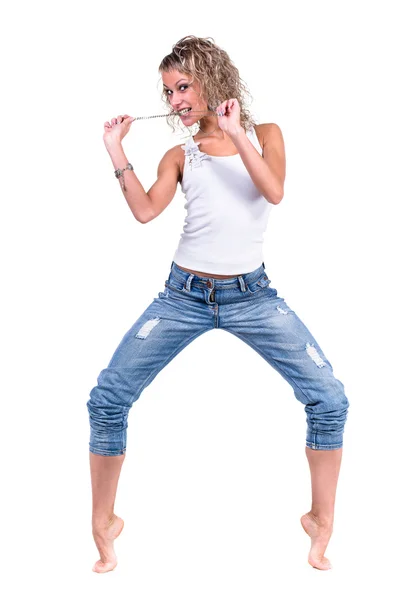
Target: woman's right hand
[{"x": 115, "y": 131}]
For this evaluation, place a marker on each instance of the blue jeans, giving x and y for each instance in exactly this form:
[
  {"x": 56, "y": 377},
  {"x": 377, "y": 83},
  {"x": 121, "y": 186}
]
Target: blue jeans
[{"x": 246, "y": 306}]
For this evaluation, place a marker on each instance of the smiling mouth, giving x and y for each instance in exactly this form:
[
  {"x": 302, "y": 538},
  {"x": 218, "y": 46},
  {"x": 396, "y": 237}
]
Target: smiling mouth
[{"x": 184, "y": 111}]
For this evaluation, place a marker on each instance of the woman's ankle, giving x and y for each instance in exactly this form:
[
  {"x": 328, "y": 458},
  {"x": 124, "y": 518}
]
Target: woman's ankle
[
  {"x": 321, "y": 519},
  {"x": 103, "y": 520}
]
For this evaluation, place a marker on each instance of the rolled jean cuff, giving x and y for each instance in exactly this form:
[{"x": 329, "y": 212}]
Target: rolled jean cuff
[
  {"x": 112, "y": 444},
  {"x": 324, "y": 441}
]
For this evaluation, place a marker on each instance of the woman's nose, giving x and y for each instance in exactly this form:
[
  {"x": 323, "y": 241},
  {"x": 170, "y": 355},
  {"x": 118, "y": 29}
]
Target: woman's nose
[{"x": 175, "y": 100}]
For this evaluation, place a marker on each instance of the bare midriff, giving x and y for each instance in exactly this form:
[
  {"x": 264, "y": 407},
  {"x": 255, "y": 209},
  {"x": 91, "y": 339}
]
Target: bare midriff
[{"x": 212, "y": 275}]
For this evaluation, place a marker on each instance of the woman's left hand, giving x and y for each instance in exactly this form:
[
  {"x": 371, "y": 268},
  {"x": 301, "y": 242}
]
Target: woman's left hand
[{"x": 230, "y": 119}]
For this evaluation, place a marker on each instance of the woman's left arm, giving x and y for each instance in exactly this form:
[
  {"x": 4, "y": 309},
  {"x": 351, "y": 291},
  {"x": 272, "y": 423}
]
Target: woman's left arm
[{"x": 268, "y": 171}]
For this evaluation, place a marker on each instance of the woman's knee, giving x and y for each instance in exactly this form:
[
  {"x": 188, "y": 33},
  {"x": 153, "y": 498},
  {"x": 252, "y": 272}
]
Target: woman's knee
[
  {"x": 108, "y": 407},
  {"x": 326, "y": 419}
]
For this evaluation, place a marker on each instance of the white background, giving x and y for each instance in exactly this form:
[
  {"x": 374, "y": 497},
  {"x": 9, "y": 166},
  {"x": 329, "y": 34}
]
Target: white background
[{"x": 215, "y": 477}]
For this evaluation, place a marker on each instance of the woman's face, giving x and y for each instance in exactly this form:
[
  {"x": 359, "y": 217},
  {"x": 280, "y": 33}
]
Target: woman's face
[{"x": 184, "y": 94}]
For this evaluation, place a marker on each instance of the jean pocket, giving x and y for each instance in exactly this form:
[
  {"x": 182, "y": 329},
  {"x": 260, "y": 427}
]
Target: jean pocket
[
  {"x": 175, "y": 285},
  {"x": 164, "y": 293},
  {"x": 259, "y": 284}
]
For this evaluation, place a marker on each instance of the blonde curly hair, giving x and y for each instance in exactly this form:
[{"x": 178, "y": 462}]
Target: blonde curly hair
[{"x": 215, "y": 72}]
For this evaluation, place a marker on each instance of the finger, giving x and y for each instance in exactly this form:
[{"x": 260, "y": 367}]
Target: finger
[{"x": 222, "y": 108}]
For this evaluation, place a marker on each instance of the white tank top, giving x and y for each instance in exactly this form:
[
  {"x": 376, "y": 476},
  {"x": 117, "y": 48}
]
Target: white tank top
[{"x": 226, "y": 218}]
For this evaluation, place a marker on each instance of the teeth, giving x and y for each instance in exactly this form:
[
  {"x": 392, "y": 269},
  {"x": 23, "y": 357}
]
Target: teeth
[{"x": 184, "y": 111}]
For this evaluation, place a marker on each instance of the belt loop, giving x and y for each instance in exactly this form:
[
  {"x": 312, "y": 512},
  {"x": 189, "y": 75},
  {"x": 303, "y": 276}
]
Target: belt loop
[
  {"x": 243, "y": 286},
  {"x": 188, "y": 282},
  {"x": 263, "y": 265},
  {"x": 171, "y": 264}
]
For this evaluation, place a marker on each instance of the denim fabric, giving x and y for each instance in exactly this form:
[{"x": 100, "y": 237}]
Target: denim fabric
[{"x": 246, "y": 306}]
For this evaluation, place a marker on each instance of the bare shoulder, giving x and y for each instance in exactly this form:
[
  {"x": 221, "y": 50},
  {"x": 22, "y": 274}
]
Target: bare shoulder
[
  {"x": 171, "y": 161},
  {"x": 177, "y": 155},
  {"x": 273, "y": 150},
  {"x": 173, "y": 153},
  {"x": 269, "y": 134}
]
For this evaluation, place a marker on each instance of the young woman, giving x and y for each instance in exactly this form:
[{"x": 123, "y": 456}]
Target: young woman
[{"x": 232, "y": 172}]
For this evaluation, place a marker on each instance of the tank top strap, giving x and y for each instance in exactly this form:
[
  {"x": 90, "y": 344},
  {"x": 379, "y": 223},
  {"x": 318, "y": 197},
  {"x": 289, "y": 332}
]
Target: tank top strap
[
  {"x": 253, "y": 135},
  {"x": 191, "y": 147}
]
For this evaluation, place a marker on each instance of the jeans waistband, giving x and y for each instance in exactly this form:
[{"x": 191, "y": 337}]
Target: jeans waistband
[{"x": 183, "y": 276}]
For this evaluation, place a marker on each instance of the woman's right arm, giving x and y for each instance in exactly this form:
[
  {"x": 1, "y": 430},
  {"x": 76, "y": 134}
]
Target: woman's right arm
[
  {"x": 137, "y": 199},
  {"x": 144, "y": 206}
]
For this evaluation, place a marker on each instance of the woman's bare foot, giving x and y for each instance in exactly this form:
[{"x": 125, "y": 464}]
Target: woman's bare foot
[
  {"x": 320, "y": 534},
  {"x": 104, "y": 536}
]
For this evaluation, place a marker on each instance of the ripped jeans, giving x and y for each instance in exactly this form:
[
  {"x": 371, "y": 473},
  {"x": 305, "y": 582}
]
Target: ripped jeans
[{"x": 246, "y": 306}]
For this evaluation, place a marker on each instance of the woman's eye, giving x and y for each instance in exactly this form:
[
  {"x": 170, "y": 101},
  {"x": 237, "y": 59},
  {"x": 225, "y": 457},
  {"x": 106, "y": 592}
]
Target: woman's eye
[{"x": 181, "y": 86}]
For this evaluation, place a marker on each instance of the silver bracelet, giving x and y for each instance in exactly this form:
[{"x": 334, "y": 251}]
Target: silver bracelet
[{"x": 120, "y": 173}]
